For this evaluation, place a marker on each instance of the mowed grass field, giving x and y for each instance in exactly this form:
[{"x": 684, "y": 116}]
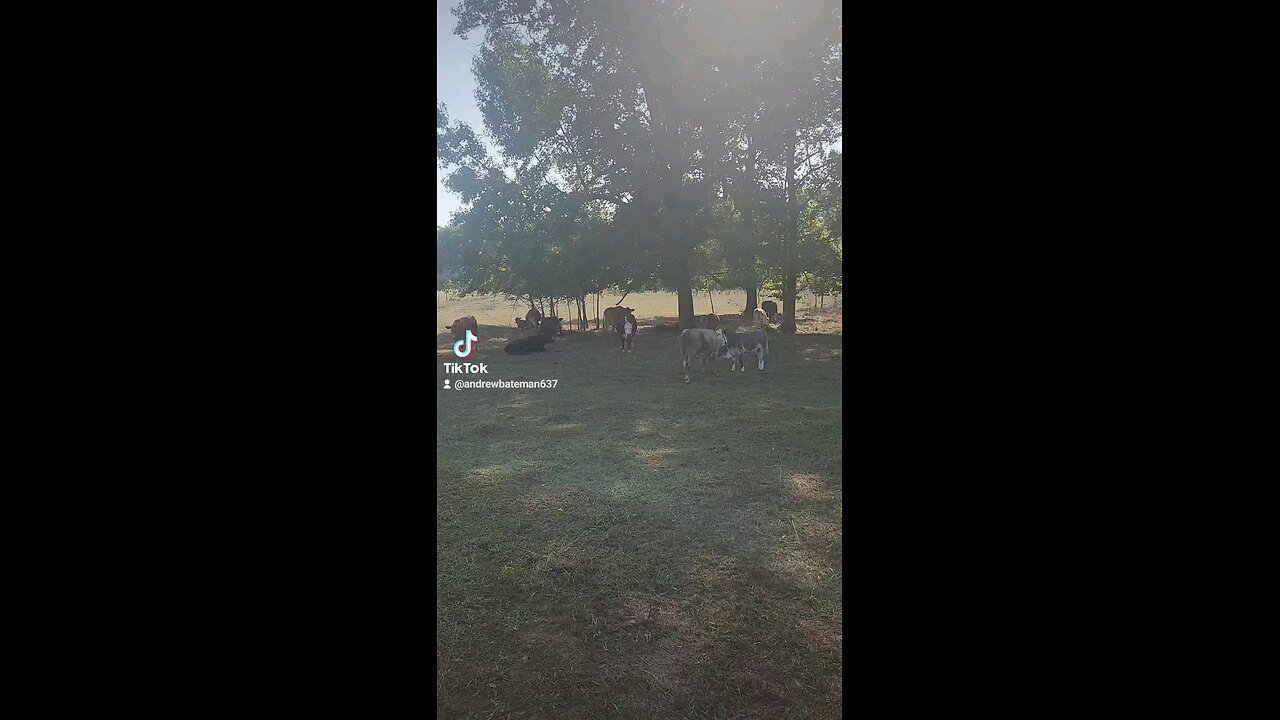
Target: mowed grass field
[{"x": 628, "y": 546}]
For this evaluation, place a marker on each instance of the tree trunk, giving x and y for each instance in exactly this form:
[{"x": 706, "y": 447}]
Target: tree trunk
[
  {"x": 789, "y": 243},
  {"x": 748, "y": 222},
  {"x": 597, "y": 310},
  {"x": 684, "y": 301},
  {"x": 684, "y": 294},
  {"x": 713, "y": 302}
]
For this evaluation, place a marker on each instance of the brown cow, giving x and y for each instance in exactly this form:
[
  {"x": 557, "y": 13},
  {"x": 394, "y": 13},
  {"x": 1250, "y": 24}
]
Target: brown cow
[
  {"x": 613, "y": 316},
  {"x": 460, "y": 327},
  {"x": 710, "y": 321}
]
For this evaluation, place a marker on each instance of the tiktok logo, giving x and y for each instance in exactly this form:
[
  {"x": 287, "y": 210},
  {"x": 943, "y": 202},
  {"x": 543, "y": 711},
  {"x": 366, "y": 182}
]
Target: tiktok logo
[{"x": 458, "y": 347}]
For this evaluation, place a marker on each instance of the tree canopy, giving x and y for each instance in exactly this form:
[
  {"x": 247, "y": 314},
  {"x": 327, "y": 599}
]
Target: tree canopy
[{"x": 648, "y": 144}]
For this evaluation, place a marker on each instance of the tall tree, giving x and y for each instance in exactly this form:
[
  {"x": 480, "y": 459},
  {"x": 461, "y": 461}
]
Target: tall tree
[{"x": 611, "y": 93}]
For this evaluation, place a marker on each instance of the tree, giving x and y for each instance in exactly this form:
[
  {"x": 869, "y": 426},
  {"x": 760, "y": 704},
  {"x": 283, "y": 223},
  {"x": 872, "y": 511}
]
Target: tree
[
  {"x": 677, "y": 135},
  {"x": 610, "y": 93}
]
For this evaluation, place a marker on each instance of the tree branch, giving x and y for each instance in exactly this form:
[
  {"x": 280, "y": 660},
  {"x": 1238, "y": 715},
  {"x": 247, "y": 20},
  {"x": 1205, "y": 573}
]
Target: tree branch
[{"x": 585, "y": 197}]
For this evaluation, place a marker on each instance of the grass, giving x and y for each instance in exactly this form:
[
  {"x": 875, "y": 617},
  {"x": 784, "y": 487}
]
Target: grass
[{"x": 627, "y": 546}]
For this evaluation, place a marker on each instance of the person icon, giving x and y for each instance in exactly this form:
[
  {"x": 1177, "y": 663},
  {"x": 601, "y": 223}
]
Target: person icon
[{"x": 446, "y": 383}]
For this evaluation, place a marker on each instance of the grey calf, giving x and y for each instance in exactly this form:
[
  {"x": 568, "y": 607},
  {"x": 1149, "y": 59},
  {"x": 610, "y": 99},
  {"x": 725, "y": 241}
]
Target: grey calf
[{"x": 737, "y": 345}]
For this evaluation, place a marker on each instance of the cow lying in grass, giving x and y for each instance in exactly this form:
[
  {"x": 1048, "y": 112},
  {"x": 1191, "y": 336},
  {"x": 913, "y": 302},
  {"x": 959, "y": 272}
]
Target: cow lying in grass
[
  {"x": 531, "y": 343},
  {"x": 522, "y": 324}
]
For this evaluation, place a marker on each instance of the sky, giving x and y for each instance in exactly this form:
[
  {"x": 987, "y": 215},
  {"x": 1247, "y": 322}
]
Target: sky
[{"x": 456, "y": 88}]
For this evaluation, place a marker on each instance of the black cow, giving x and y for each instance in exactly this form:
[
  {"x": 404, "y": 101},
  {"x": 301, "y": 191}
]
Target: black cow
[
  {"x": 551, "y": 326},
  {"x": 627, "y": 329},
  {"x": 528, "y": 344},
  {"x": 770, "y": 307}
]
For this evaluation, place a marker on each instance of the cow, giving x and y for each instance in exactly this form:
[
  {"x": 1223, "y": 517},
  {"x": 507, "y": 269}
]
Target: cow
[
  {"x": 760, "y": 316},
  {"x": 460, "y": 327},
  {"x": 696, "y": 342},
  {"x": 522, "y": 324},
  {"x": 533, "y": 317},
  {"x": 739, "y": 344},
  {"x": 710, "y": 321},
  {"x": 528, "y": 344},
  {"x": 614, "y": 315},
  {"x": 770, "y": 307},
  {"x": 627, "y": 329},
  {"x": 551, "y": 326}
]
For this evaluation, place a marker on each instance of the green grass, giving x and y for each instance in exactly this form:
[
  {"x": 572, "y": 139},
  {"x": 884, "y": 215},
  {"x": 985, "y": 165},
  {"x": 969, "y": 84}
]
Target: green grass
[{"x": 599, "y": 553}]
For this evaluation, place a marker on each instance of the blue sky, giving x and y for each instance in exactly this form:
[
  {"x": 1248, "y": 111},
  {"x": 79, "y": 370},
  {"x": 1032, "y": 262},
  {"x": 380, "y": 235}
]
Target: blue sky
[{"x": 456, "y": 87}]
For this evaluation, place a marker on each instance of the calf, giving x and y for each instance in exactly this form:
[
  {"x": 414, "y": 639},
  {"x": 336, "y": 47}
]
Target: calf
[
  {"x": 695, "y": 342},
  {"x": 460, "y": 327},
  {"x": 760, "y": 316},
  {"x": 551, "y": 326},
  {"x": 528, "y": 344},
  {"x": 736, "y": 345},
  {"x": 523, "y": 324},
  {"x": 770, "y": 307},
  {"x": 627, "y": 329}
]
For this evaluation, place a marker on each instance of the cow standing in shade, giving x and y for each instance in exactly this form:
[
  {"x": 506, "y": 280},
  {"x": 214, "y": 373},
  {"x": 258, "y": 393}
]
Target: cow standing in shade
[
  {"x": 739, "y": 344},
  {"x": 627, "y": 328},
  {"x": 770, "y": 308},
  {"x": 551, "y": 326},
  {"x": 533, "y": 317},
  {"x": 460, "y": 327},
  {"x": 613, "y": 316}
]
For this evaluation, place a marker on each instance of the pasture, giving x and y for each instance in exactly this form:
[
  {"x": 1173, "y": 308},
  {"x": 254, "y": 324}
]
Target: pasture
[{"x": 628, "y": 546}]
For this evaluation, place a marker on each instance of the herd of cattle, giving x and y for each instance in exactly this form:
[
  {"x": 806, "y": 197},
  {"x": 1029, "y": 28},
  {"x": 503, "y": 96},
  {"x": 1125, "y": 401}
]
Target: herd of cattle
[{"x": 706, "y": 340}]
